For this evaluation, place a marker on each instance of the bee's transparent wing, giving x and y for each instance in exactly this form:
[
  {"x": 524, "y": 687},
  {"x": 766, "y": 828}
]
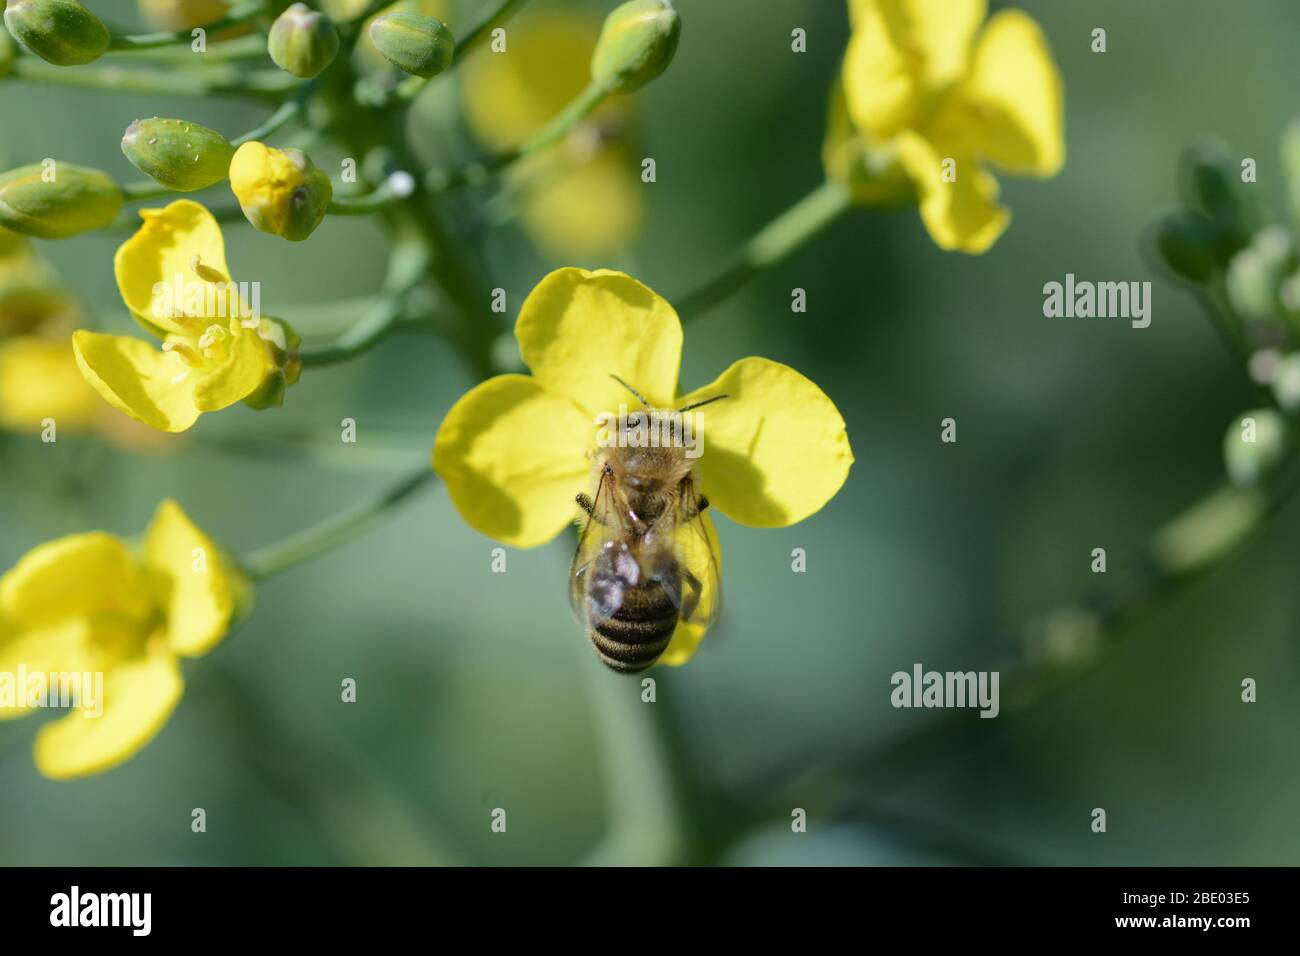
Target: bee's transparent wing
[
  {"x": 695, "y": 543},
  {"x": 598, "y": 530}
]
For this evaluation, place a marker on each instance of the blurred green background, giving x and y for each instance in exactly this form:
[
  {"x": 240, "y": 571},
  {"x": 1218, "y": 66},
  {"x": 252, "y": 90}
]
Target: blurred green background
[{"x": 476, "y": 690}]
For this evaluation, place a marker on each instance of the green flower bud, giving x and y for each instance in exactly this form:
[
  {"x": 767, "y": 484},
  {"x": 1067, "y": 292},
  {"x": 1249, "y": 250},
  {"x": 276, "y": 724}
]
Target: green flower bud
[
  {"x": 1188, "y": 243},
  {"x": 180, "y": 155},
  {"x": 636, "y": 44},
  {"x": 303, "y": 41},
  {"x": 413, "y": 43},
  {"x": 284, "y": 343},
  {"x": 1254, "y": 446},
  {"x": 62, "y": 32},
  {"x": 1211, "y": 183},
  {"x": 1255, "y": 274},
  {"x": 55, "y": 200},
  {"x": 1286, "y": 383},
  {"x": 7, "y": 53},
  {"x": 25, "y": 306},
  {"x": 280, "y": 191}
]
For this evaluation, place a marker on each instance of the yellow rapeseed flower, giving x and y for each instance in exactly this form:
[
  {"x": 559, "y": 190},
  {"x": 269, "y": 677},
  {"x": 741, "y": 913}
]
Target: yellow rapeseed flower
[
  {"x": 88, "y": 604},
  {"x": 40, "y": 381},
  {"x": 580, "y": 200},
  {"x": 926, "y": 93},
  {"x": 516, "y": 449},
  {"x": 216, "y": 349}
]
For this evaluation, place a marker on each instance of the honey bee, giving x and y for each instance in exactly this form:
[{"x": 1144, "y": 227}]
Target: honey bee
[{"x": 645, "y": 559}]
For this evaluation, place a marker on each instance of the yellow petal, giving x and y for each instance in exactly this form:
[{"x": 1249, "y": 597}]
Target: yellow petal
[
  {"x": 687, "y": 636},
  {"x": 577, "y": 328},
  {"x": 245, "y": 367},
  {"x": 160, "y": 258},
  {"x": 901, "y": 51},
  {"x": 191, "y": 579},
  {"x": 963, "y": 214},
  {"x": 39, "y": 379},
  {"x": 775, "y": 450},
  {"x": 138, "y": 697},
  {"x": 1017, "y": 91},
  {"x": 75, "y": 576},
  {"x": 156, "y": 387},
  {"x": 584, "y": 208},
  {"x": 514, "y": 456},
  {"x": 54, "y": 648}
]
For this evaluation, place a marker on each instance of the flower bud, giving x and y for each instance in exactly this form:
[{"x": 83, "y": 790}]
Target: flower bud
[
  {"x": 26, "y": 306},
  {"x": 1254, "y": 446},
  {"x": 413, "y": 43},
  {"x": 62, "y": 32},
  {"x": 303, "y": 41},
  {"x": 1211, "y": 183},
  {"x": 1255, "y": 274},
  {"x": 1188, "y": 243},
  {"x": 179, "y": 155},
  {"x": 1286, "y": 383},
  {"x": 7, "y": 53},
  {"x": 280, "y": 191},
  {"x": 55, "y": 200},
  {"x": 283, "y": 343},
  {"x": 636, "y": 44},
  {"x": 177, "y": 15}
]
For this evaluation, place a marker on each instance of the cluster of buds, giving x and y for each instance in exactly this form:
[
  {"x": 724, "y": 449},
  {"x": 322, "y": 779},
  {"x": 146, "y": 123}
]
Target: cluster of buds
[{"x": 1247, "y": 271}]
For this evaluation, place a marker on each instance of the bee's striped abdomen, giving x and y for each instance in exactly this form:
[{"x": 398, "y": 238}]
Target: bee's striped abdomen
[{"x": 638, "y": 632}]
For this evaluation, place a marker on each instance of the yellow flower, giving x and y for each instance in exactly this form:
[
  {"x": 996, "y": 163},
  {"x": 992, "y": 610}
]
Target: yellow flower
[
  {"x": 88, "y": 605},
  {"x": 183, "y": 14},
  {"x": 580, "y": 200},
  {"x": 216, "y": 349},
  {"x": 926, "y": 90},
  {"x": 516, "y": 449},
  {"x": 39, "y": 380}
]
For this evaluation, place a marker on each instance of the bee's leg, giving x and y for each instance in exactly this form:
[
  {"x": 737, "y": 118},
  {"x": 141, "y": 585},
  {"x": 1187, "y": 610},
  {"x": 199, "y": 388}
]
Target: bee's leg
[
  {"x": 584, "y": 502},
  {"x": 699, "y": 505}
]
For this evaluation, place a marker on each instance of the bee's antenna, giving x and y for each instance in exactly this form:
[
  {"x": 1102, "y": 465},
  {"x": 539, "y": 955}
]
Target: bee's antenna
[
  {"x": 644, "y": 403},
  {"x": 707, "y": 401}
]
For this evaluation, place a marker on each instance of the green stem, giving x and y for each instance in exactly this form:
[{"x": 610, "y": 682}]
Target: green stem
[
  {"x": 215, "y": 81},
  {"x": 409, "y": 88},
  {"x": 407, "y": 265},
  {"x": 480, "y": 170},
  {"x": 276, "y": 558},
  {"x": 287, "y": 112},
  {"x": 152, "y": 41},
  {"x": 1065, "y": 642},
  {"x": 771, "y": 244},
  {"x": 395, "y": 189},
  {"x": 144, "y": 189}
]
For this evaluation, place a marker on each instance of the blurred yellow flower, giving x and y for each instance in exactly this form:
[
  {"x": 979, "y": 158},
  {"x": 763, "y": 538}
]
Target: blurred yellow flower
[
  {"x": 118, "y": 621},
  {"x": 183, "y": 14},
  {"x": 516, "y": 449},
  {"x": 39, "y": 380},
  {"x": 927, "y": 93},
  {"x": 581, "y": 200},
  {"x": 216, "y": 349}
]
